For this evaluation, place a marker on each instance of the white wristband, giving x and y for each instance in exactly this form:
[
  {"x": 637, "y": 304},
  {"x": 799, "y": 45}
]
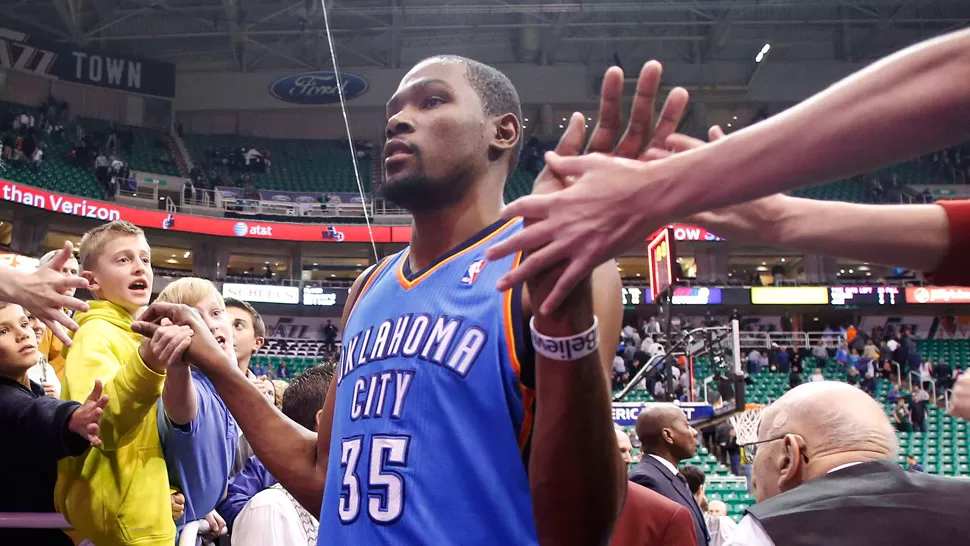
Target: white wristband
[{"x": 567, "y": 348}]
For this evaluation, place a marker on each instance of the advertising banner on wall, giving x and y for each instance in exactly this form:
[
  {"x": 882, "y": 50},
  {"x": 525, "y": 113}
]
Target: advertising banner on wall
[
  {"x": 156, "y": 219},
  {"x": 938, "y": 294},
  {"x": 22, "y": 52},
  {"x": 262, "y": 293},
  {"x": 790, "y": 295},
  {"x": 19, "y": 262},
  {"x": 321, "y": 87},
  {"x": 625, "y": 413}
]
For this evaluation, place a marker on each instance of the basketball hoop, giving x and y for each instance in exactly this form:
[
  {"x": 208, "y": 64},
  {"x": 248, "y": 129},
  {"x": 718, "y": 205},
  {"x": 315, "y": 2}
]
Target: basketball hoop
[{"x": 746, "y": 423}]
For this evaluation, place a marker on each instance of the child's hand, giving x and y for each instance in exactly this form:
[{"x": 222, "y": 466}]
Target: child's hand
[
  {"x": 178, "y": 506},
  {"x": 217, "y": 526},
  {"x": 85, "y": 421},
  {"x": 264, "y": 386},
  {"x": 49, "y": 389},
  {"x": 166, "y": 346}
]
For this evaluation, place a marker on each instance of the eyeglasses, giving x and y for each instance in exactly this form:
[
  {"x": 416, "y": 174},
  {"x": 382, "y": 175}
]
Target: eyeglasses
[{"x": 751, "y": 448}]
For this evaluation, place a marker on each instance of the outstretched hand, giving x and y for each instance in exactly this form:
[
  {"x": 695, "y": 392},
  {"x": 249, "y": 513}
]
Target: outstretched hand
[
  {"x": 86, "y": 419},
  {"x": 640, "y": 136},
  {"x": 203, "y": 351},
  {"x": 42, "y": 294}
]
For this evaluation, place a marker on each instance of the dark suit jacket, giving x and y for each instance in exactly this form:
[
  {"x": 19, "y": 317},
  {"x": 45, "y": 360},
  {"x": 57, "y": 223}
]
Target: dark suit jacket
[
  {"x": 650, "y": 473},
  {"x": 649, "y": 519}
]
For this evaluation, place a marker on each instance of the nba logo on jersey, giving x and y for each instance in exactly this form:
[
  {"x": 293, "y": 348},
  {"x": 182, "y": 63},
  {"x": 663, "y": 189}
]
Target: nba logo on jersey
[{"x": 473, "y": 270}]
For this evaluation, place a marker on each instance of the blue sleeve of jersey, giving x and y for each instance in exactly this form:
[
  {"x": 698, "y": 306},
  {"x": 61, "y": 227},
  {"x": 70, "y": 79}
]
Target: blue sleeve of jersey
[
  {"x": 200, "y": 454},
  {"x": 252, "y": 479}
]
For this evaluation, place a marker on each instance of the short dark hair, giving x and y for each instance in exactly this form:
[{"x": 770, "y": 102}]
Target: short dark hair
[
  {"x": 305, "y": 396},
  {"x": 494, "y": 89},
  {"x": 258, "y": 325},
  {"x": 694, "y": 477}
]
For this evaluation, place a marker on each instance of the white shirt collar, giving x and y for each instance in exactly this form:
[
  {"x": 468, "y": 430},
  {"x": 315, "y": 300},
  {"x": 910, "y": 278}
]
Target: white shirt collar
[
  {"x": 666, "y": 463},
  {"x": 843, "y": 466}
]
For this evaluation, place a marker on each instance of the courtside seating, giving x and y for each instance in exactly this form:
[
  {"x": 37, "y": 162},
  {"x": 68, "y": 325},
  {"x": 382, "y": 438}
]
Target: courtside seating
[{"x": 296, "y": 165}]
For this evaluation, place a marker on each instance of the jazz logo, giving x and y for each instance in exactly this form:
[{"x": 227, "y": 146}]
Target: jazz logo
[{"x": 473, "y": 270}]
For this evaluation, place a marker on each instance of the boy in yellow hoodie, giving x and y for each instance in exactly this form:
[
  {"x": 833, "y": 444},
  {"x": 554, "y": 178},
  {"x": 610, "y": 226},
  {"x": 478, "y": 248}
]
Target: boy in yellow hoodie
[{"x": 118, "y": 494}]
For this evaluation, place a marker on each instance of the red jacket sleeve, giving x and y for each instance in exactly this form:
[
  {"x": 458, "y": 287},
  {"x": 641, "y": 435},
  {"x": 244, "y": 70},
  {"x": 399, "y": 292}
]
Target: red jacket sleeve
[{"x": 955, "y": 267}]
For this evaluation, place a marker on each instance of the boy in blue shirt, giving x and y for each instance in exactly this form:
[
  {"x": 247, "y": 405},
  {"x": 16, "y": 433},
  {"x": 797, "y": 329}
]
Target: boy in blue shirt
[{"x": 198, "y": 433}]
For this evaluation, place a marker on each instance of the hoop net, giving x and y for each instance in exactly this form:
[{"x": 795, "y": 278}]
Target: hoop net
[{"x": 746, "y": 423}]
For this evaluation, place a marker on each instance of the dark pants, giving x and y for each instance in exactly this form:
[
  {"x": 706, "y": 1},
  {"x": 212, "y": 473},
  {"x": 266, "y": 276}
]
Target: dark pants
[{"x": 736, "y": 464}]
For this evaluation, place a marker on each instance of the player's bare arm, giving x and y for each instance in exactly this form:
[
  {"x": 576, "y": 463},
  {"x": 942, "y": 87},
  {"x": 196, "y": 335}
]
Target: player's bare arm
[
  {"x": 286, "y": 449},
  {"x": 573, "y": 433}
]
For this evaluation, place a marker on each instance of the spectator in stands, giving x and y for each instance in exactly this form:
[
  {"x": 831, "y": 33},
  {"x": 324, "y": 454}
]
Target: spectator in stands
[
  {"x": 651, "y": 327},
  {"x": 330, "y": 336},
  {"x": 37, "y": 430},
  {"x": 719, "y": 524},
  {"x": 283, "y": 372},
  {"x": 901, "y": 417},
  {"x": 944, "y": 376},
  {"x": 695, "y": 482},
  {"x": 842, "y": 358},
  {"x": 820, "y": 353},
  {"x": 778, "y": 273},
  {"x": 648, "y": 518},
  {"x": 257, "y": 508},
  {"x": 620, "y": 376},
  {"x": 917, "y": 408},
  {"x": 852, "y": 376},
  {"x": 826, "y": 460},
  {"x": 781, "y": 358},
  {"x": 199, "y": 435},
  {"x": 869, "y": 384},
  {"x": 817, "y": 375},
  {"x": 733, "y": 452},
  {"x": 912, "y": 465},
  {"x": 893, "y": 395},
  {"x": 871, "y": 351},
  {"x": 43, "y": 373},
  {"x": 97, "y": 488},
  {"x": 754, "y": 361},
  {"x": 854, "y": 359},
  {"x": 794, "y": 378},
  {"x": 667, "y": 438},
  {"x": 249, "y": 335}
]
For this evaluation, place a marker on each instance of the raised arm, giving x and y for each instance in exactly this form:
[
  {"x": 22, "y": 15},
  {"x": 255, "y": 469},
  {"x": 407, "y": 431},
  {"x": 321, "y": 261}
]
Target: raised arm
[
  {"x": 910, "y": 103},
  {"x": 289, "y": 451},
  {"x": 575, "y": 472}
]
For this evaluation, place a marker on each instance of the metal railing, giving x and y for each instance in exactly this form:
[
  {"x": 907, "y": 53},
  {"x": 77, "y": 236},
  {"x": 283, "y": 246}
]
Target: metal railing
[{"x": 53, "y": 520}]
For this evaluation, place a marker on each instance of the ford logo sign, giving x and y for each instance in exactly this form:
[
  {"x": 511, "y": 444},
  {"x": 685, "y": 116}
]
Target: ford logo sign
[
  {"x": 281, "y": 197},
  {"x": 306, "y": 199},
  {"x": 317, "y": 87}
]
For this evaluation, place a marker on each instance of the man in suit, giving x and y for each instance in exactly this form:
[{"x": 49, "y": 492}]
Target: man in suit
[
  {"x": 648, "y": 519},
  {"x": 666, "y": 439},
  {"x": 825, "y": 459}
]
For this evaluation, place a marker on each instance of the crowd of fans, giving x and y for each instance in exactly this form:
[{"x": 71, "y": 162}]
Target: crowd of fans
[{"x": 26, "y": 133}]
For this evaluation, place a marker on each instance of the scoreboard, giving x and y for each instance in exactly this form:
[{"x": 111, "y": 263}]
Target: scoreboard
[{"x": 865, "y": 295}]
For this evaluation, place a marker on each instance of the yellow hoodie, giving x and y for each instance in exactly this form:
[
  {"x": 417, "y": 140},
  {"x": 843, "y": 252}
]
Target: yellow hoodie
[{"x": 117, "y": 494}]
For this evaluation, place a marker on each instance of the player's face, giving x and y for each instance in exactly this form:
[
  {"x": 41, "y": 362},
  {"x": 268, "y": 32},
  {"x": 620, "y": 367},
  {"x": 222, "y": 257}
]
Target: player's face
[
  {"x": 438, "y": 138},
  {"x": 219, "y": 322},
  {"x": 244, "y": 334},
  {"x": 123, "y": 273},
  {"x": 18, "y": 343}
]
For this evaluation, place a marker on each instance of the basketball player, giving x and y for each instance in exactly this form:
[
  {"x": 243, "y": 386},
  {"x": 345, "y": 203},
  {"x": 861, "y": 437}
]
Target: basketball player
[
  {"x": 867, "y": 121},
  {"x": 443, "y": 426}
]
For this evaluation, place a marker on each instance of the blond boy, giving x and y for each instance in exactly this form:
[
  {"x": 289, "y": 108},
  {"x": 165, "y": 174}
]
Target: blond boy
[{"x": 118, "y": 494}]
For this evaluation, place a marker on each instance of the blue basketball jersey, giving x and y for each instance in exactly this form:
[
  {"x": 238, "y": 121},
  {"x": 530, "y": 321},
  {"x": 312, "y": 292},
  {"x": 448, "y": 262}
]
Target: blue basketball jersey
[{"x": 433, "y": 409}]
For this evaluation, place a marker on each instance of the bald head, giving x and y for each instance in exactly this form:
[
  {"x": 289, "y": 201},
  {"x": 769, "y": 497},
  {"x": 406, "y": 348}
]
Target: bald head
[
  {"x": 664, "y": 431},
  {"x": 717, "y": 508},
  {"x": 815, "y": 428},
  {"x": 833, "y": 417}
]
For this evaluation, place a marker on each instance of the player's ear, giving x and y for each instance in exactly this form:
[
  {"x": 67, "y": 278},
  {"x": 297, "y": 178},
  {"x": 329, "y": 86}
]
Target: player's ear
[
  {"x": 258, "y": 344},
  {"x": 507, "y": 133}
]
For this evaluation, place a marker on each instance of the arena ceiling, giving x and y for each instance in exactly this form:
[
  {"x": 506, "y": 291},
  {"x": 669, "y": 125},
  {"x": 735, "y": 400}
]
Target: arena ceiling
[{"x": 249, "y": 35}]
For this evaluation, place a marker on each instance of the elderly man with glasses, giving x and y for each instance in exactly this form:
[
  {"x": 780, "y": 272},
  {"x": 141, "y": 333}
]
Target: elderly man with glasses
[{"x": 825, "y": 472}]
